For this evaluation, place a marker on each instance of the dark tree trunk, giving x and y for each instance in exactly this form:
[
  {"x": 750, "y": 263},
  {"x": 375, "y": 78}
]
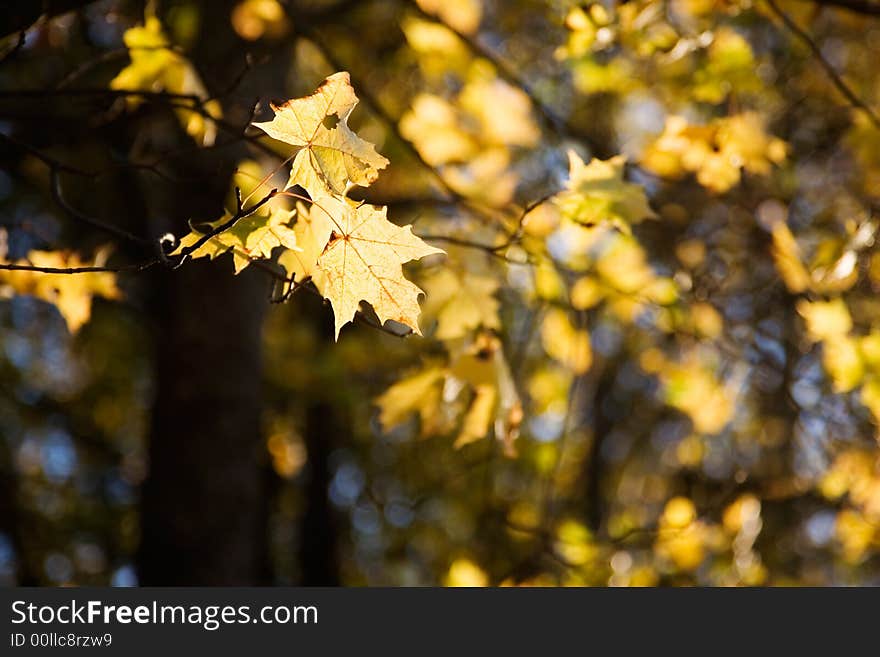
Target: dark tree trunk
[
  {"x": 595, "y": 504},
  {"x": 327, "y": 426},
  {"x": 203, "y": 503},
  {"x": 317, "y": 554},
  {"x": 205, "y": 506}
]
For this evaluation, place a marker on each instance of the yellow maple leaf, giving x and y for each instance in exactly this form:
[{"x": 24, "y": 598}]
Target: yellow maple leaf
[
  {"x": 330, "y": 155},
  {"x": 596, "y": 193},
  {"x": 71, "y": 293},
  {"x": 312, "y": 231},
  {"x": 363, "y": 261},
  {"x": 249, "y": 238}
]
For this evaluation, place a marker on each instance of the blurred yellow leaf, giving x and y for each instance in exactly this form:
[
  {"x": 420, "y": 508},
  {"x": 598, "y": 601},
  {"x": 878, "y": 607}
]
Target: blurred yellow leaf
[
  {"x": 842, "y": 361},
  {"x": 253, "y": 19},
  {"x": 568, "y": 345},
  {"x": 855, "y": 533},
  {"x": 870, "y": 397},
  {"x": 464, "y": 572},
  {"x": 717, "y": 152},
  {"x": 461, "y": 301},
  {"x": 156, "y": 66},
  {"x": 433, "y": 124},
  {"x": 679, "y": 513},
  {"x": 596, "y": 193},
  {"x": 585, "y": 293},
  {"x": 730, "y": 66},
  {"x": 825, "y": 319},
  {"x": 71, "y": 293},
  {"x": 463, "y": 15},
  {"x": 574, "y": 543},
  {"x": 471, "y": 138},
  {"x": 681, "y": 538},
  {"x": 691, "y": 387},
  {"x": 420, "y": 393},
  {"x": 494, "y": 402},
  {"x": 787, "y": 257}
]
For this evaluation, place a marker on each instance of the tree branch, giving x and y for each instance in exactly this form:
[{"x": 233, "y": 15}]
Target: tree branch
[
  {"x": 548, "y": 115},
  {"x": 78, "y": 270},
  {"x": 838, "y": 81}
]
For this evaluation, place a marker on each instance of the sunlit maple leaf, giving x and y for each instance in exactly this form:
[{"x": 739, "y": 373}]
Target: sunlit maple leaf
[
  {"x": 363, "y": 262},
  {"x": 312, "y": 231},
  {"x": 596, "y": 193},
  {"x": 249, "y": 238},
  {"x": 330, "y": 155}
]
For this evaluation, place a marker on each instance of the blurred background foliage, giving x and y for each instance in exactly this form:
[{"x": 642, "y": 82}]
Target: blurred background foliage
[{"x": 651, "y": 356}]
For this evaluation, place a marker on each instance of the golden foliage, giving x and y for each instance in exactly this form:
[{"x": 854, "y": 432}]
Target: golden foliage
[
  {"x": 156, "y": 66},
  {"x": 596, "y": 193},
  {"x": 565, "y": 343},
  {"x": 717, "y": 153},
  {"x": 479, "y": 380},
  {"x": 72, "y": 294},
  {"x": 692, "y": 387},
  {"x": 253, "y": 19},
  {"x": 469, "y": 138},
  {"x": 461, "y": 301}
]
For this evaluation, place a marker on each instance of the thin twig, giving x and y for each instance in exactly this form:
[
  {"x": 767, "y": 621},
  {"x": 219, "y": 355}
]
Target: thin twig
[
  {"x": 548, "y": 115},
  {"x": 99, "y": 92},
  {"x": 79, "y": 270},
  {"x": 392, "y": 123},
  {"x": 240, "y": 213},
  {"x": 58, "y": 197},
  {"x": 838, "y": 81}
]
